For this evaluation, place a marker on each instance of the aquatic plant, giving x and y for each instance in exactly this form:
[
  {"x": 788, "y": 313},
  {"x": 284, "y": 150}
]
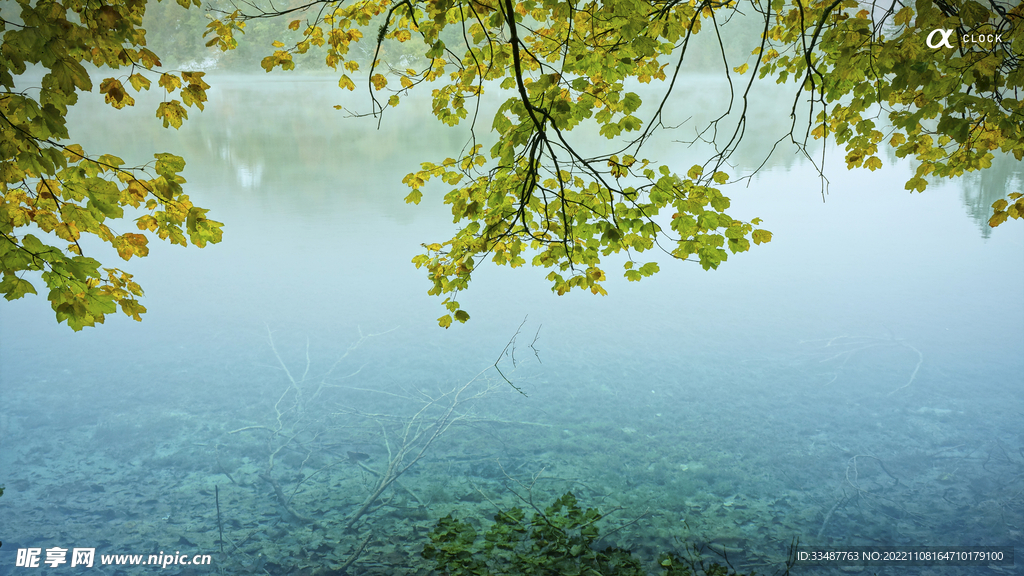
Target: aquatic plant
[{"x": 561, "y": 540}]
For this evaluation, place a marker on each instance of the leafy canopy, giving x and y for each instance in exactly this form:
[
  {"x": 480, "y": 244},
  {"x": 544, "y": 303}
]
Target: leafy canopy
[
  {"x": 866, "y": 68},
  {"x": 874, "y": 77},
  {"x": 52, "y": 192},
  {"x": 877, "y": 79}
]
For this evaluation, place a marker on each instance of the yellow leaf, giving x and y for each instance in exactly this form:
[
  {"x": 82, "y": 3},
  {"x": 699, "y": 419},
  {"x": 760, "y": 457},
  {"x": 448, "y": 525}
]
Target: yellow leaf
[
  {"x": 346, "y": 82},
  {"x": 294, "y": 24},
  {"x": 406, "y": 83},
  {"x": 414, "y": 180},
  {"x": 139, "y": 82},
  {"x": 115, "y": 94},
  {"x": 277, "y": 44},
  {"x": 74, "y": 152},
  {"x": 761, "y": 236},
  {"x": 169, "y": 82},
  {"x": 67, "y": 231},
  {"x": 379, "y": 81},
  {"x": 741, "y": 69},
  {"x": 172, "y": 113}
]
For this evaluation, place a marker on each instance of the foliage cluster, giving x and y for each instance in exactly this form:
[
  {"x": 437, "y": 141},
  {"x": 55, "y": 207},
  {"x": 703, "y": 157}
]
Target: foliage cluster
[
  {"x": 558, "y": 541},
  {"x": 60, "y": 189},
  {"x": 877, "y": 79},
  {"x": 869, "y": 74},
  {"x": 867, "y": 71},
  {"x": 173, "y": 33}
]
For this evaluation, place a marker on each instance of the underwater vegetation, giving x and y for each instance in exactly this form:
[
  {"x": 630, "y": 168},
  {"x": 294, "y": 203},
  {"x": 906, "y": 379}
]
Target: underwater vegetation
[
  {"x": 560, "y": 540},
  {"x": 334, "y": 466}
]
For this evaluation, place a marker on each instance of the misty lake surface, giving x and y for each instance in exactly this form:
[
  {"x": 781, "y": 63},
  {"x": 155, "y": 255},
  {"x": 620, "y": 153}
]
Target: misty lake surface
[{"x": 855, "y": 382}]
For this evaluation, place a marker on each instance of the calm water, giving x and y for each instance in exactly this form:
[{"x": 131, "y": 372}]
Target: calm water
[{"x": 855, "y": 382}]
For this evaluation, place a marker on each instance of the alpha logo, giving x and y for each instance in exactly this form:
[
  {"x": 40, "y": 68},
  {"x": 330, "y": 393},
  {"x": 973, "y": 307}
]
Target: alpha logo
[{"x": 943, "y": 42}]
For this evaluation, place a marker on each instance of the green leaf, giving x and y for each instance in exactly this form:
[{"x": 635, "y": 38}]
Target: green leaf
[
  {"x": 13, "y": 287},
  {"x": 761, "y": 236},
  {"x": 168, "y": 165},
  {"x": 649, "y": 269},
  {"x": 68, "y": 75}
]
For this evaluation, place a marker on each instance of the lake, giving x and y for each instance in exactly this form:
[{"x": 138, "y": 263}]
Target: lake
[{"x": 855, "y": 382}]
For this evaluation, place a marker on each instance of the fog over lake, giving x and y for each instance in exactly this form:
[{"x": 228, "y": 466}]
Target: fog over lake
[{"x": 856, "y": 381}]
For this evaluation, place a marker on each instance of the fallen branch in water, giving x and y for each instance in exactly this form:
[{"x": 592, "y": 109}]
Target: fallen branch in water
[{"x": 323, "y": 424}]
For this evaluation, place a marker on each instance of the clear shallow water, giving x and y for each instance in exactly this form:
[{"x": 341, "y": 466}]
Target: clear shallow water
[{"x": 856, "y": 381}]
